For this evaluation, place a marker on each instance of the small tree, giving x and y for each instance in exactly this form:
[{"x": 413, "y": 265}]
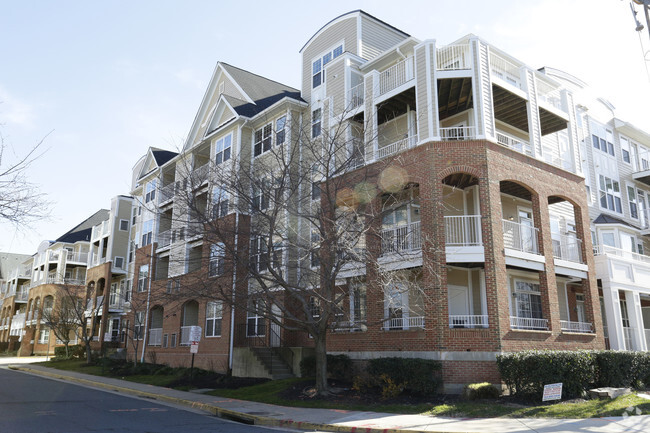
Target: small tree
[{"x": 62, "y": 319}]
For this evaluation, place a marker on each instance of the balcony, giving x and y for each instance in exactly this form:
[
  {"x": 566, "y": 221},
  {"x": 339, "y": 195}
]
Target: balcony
[
  {"x": 165, "y": 238},
  {"x": 516, "y": 144},
  {"x": 404, "y": 238},
  {"x": 167, "y": 193},
  {"x": 567, "y": 248},
  {"x": 155, "y": 336},
  {"x": 520, "y": 237},
  {"x": 453, "y": 57},
  {"x": 76, "y": 257},
  {"x": 505, "y": 70},
  {"x": 100, "y": 230},
  {"x": 463, "y": 230},
  {"x": 403, "y": 323},
  {"x": 21, "y": 296},
  {"x": 200, "y": 175},
  {"x": 397, "y": 146},
  {"x": 396, "y": 76},
  {"x": 580, "y": 327},
  {"x": 68, "y": 281},
  {"x": 347, "y": 326},
  {"x": 458, "y": 133},
  {"x": 600, "y": 250},
  {"x": 355, "y": 97},
  {"x": 17, "y": 324},
  {"x": 468, "y": 321},
  {"x": 528, "y": 323}
]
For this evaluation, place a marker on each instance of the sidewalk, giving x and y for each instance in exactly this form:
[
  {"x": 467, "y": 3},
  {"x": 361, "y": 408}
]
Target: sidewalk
[{"x": 341, "y": 420}]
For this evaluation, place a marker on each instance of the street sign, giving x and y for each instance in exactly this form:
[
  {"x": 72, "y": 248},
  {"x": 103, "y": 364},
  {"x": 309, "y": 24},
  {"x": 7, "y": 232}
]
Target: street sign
[
  {"x": 194, "y": 347},
  {"x": 552, "y": 392},
  {"x": 195, "y": 333}
]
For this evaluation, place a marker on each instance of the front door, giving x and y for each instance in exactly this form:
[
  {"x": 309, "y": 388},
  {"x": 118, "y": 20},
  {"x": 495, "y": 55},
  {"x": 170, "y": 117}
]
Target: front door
[
  {"x": 527, "y": 231},
  {"x": 458, "y": 306}
]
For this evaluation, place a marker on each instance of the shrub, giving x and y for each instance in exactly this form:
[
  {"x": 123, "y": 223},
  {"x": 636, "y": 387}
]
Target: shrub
[
  {"x": 74, "y": 351},
  {"x": 622, "y": 369},
  {"x": 338, "y": 367},
  {"x": 477, "y": 391},
  {"x": 420, "y": 376}
]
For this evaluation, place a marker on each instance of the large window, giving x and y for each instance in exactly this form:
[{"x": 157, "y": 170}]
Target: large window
[
  {"x": 255, "y": 318},
  {"x": 602, "y": 138},
  {"x": 220, "y": 203},
  {"x": 143, "y": 278},
  {"x": 222, "y": 149},
  {"x": 263, "y": 139},
  {"x": 610, "y": 194},
  {"x": 528, "y": 300},
  {"x": 147, "y": 232},
  {"x": 217, "y": 259},
  {"x": 150, "y": 191},
  {"x": 261, "y": 193},
  {"x": 44, "y": 336},
  {"x": 316, "y": 116},
  {"x": 213, "y": 316},
  {"x": 396, "y": 301},
  {"x": 317, "y": 73},
  {"x": 260, "y": 254},
  {"x": 358, "y": 303}
]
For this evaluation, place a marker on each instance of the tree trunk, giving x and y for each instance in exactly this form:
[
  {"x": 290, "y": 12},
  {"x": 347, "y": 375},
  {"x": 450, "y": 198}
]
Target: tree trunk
[
  {"x": 67, "y": 354},
  {"x": 89, "y": 359},
  {"x": 321, "y": 364}
]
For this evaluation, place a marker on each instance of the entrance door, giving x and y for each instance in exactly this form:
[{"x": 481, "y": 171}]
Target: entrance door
[
  {"x": 459, "y": 306},
  {"x": 580, "y": 307},
  {"x": 527, "y": 231},
  {"x": 275, "y": 327}
]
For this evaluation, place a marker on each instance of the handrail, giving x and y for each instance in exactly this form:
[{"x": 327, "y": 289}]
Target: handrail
[{"x": 262, "y": 336}]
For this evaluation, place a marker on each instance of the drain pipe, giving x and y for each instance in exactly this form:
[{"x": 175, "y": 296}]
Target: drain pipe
[
  {"x": 146, "y": 313},
  {"x": 232, "y": 305}
]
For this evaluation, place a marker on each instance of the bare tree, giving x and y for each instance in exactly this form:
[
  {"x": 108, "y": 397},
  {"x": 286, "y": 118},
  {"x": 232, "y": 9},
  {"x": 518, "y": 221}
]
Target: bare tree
[
  {"x": 21, "y": 202},
  {"x": 61, "y": 318}
]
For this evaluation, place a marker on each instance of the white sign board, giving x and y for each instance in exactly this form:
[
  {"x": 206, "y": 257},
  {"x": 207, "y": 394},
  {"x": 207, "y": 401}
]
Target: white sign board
[
  {"x": 195, "y": 333},
  {"x": 194, "y": 347},
  {"x": 552, "y": 392}
]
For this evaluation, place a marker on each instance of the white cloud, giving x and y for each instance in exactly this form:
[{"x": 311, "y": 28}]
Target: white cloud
[{"x": 14, "y": 111}]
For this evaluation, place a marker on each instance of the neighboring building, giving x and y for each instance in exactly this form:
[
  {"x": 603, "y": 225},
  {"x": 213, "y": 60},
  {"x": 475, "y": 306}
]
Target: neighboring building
[{"x": 14, "y": 271}]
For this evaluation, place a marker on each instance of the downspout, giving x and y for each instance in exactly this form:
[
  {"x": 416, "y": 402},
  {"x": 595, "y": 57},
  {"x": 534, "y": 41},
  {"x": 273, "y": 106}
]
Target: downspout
[
  {"x": 231, "y": 343},
  {"x": 400, "y": 53},
  {"x": 146, "y": 313}
]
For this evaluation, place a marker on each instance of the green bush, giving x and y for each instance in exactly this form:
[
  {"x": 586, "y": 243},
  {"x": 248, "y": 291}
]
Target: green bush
[
  {"x": 477, "y": 391},
  {"x": 420, "y": 376},
  {"x": 74, "y": 351},
  {"x": 338, "y": 367},
  {"x": 622, "y": 369}
]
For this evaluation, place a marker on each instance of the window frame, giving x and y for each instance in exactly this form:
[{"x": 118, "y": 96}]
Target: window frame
[
  {"x": 122, "y": 222},
  {"x": 612, "y": 198},
  {"x": 150, "y": 190},
  {"x": 213, "y": 318},
  {"x": 318, "y": 64},
  {"x": 143, "y": 280},
  {"x": 223, "y": 155},
  {"x": 264, "y": 143},
  {"x": 316, "y": 122},
  {"x": 217, "y": 259}
]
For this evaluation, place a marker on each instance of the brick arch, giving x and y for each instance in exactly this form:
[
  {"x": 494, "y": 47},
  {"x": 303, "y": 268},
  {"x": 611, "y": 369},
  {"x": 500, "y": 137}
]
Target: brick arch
[
  {"x": 566, "y": 198},
  {"x": 476, "y": 172}
]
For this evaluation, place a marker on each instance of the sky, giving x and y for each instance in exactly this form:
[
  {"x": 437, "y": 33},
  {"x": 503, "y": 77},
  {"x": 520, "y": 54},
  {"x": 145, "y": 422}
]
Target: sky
[{"x": 103, "y": 81}]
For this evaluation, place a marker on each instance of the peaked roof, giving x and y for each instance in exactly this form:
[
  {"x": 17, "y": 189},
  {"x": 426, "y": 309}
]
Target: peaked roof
[
  {"x": 82, "y": 231},
  {"x": 162, "y": 156},
  {"x": 607, "y": 219}
]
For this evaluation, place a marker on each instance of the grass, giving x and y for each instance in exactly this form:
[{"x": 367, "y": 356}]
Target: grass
[{"x": 270, "y": 392}]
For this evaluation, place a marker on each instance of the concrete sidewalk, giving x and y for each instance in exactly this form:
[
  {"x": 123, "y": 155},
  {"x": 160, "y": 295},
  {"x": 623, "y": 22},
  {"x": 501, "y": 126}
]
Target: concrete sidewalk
[{"x": 341, "y": 420}]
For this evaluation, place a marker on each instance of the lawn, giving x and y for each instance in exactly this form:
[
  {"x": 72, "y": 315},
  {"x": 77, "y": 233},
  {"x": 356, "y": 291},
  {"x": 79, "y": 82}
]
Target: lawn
[{"x": 277, "y": 392}]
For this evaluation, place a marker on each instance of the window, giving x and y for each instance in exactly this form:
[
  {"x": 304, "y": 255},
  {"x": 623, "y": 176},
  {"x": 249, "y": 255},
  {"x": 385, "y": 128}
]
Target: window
[
  {"x": 127, "y": 291},
  {"x": 528, "y": 300},
  {"x": 119, "y": 263},
  {"x": 631, "y": 198},
  {"x": 261, "y": 191},
  {"x": 124, "y": 225},
  {"x": 280, "y": 133},
  {"x": 314, "y": 307},
  {"x": 255, "y": 320},
  {"x": 610, "y": 194},
  {"x": 223, "y": 148},
  {"x": 44, "y": 336},
  {"x": 395, "y": 306},
  {"x": 263, "y": 139},
  {"x": 150, "y": 191},
  {"x": 173, "y": 286},
  {"x": 358, "y": 303},
  {"x": 147, "y": 232},
  {"x": 602, "y": 139},
  {"x": 143, "y": 278},
  {"x": 134, "y": 215},
  {"x": 625, "y": 150},
  {"x": 165, "y": 341},
  {"x": 172, "y": 342},
  {"x": 217, "y": 259},
  {"x": 318, "y": 76},
  {"x": 315, "y": 190},
  {"x": 314, "y": 255},
  {"x": 213, "y": 315},
  {"x": 138, "y": 326},
  {"x": 316, "y": 122},
  {"x": 220, "y": 203},
  {"x": 260, "y": 255}
]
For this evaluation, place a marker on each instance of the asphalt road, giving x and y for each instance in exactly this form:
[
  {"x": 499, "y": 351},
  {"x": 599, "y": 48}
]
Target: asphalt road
[{"x": 35, "y": 404}]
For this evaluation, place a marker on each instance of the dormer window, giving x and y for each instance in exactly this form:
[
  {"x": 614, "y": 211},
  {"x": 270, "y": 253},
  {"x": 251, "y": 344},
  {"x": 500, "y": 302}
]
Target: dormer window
[{"x": 318, "y": 64}]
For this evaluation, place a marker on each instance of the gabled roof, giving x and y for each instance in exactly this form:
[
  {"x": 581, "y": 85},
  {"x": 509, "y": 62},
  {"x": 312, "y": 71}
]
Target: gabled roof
[
  {"x": 83, "y": 230},
  {"x": 162, "y": 156},
  {"x": 154, "y": 159}
]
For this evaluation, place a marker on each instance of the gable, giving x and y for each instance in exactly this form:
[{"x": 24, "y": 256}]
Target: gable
[
  {"x": 148, "y": 166},
  {"x": 220, "y": 114}
]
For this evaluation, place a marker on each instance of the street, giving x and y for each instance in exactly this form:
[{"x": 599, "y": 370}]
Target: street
[{"x": 35, "y": 404}]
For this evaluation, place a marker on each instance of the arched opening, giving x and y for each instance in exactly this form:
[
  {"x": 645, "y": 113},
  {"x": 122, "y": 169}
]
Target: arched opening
[
  {"x": 400, "y": 223},
  {"x": 520, "y": 231},
  {"x": 461, "y": 210}
]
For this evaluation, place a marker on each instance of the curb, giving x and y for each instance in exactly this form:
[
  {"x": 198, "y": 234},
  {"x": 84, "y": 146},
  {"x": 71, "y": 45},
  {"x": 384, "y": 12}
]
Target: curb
[{"x": 219, "y": 412}]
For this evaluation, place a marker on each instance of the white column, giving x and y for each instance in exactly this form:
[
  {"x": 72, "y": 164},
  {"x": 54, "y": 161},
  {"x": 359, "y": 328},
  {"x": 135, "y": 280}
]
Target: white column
[
  {"x": 636, "y": 319},
  {"x": 613, "y": 319}
]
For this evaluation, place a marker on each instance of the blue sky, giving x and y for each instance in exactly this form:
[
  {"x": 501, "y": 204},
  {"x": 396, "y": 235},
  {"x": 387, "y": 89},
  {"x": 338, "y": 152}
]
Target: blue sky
[{"x": 109, "y": 79}]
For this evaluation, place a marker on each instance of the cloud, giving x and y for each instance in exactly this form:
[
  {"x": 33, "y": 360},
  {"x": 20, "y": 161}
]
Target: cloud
[{"x": 14, "y": 111}]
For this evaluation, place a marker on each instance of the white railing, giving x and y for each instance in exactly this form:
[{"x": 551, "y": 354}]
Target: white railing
[
  {"x": 528, "y": 323},
  {"x": 549, "y": 94},
  {"x": 200, "y": 174},
  {"x": 520, "y": 237},
  {"x": 453, "y": 57},
  {"x": 397, "y": 146},
  {"x": 458, "y": 133},
  {"x": 164, "y": 238},
  {"x": 355, "y": 97},
  {"x": 568, "y": 248},
  {"x": 167, "y": 192},
  {"x": 463, "y": 230},
  {"x": 505, "y": 70},
  {"x": 115, "y": 302},
  {"x": 347, "y": 326},
  {"x": 396, "y": 75},
  {"x": 100, "y": 230},
  {"x": 17, "y": 324},
  {"x": 155, "y": 336},
  {"x": 398, "y": 323},
  {"x": 514, "y": 143},
  {"x": 568, "y": 326},
  {"x": 402, "y": 238},
  {"x": 606, "y": 249},
  {"x": 628, "y": 338},
  {"x": 21, "y": 296},
  {"x": 185, "y": 335},
  {"x": 70, "y": 281},
  {"x": 468, "y": 321},
  {"x": 77, "y": 257}
]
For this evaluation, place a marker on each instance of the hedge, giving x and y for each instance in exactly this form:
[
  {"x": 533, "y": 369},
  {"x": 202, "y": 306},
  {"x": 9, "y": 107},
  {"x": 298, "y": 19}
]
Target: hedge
[
  {"x": 420, "y": 376},
  {"x": 74, "y": 351},
  {"x": 338, "y": 367},
  {"x": 526, "y": 373}
]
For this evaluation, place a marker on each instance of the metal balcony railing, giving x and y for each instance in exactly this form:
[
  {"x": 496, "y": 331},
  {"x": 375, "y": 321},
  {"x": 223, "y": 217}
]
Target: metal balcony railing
[
  {"x": 514, "y": 143},
  {"x": 397, "y": 75},
  {"x": 568, "y": 326},
  {"x": 463, "y": 230},
  {"x": 401, "y": 239},
  {"x": 167, "y": 192},
  {"x": 403, "y": 323},
  {"x": 528, "y": 323},
  {"x": 155, "y": 336},
  {"x": 468, "y": 321},
  {"x": 566, "y": 247},
  {"x": 520, "y": 237}
]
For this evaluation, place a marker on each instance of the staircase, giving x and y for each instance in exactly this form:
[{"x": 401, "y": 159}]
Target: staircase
[{"x": 272, "y": 362}]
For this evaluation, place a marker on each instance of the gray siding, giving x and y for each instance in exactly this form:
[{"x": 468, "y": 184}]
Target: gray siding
[{"x": 376, "y": 38}]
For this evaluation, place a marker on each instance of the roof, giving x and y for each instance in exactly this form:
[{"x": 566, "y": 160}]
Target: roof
[
  {"x": 162, "y": 156},
  {"x": 262, "y": 91},
  {"x": 9, "y": 262},
  {"x": 607, "y": 219},
  {"x": 83, "y": 231}
]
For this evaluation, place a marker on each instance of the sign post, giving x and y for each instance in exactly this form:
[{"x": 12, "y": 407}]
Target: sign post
[
  {"x": 552, "y": 391},
  {"x": 195, "y": 337}
]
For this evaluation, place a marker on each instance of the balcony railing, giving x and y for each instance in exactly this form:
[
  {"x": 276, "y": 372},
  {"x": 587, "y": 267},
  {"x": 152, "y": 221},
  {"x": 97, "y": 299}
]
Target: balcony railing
[
  {"x": 402, "y": 323},
  {"x": 355, "y": 97},
  {"x": 21, "y": 296},
  {"x": 628, "y": 338},
  {"x": 396, "y": 75},
  {"x": 200, "y": 175},
  {"x": 514, "y": 143},
  {"x": 468, "y": 321},
  {"x": 155, "y": 336},
  {"x": 568, "y": 326},
  {"x": 549, "y": 94},
  {"x": 567, "y": 248},
  {"x": 76, "y": 257},
  {"x": 520, "y": 237},
  {"x": 100, "y": 230},
  {"x": 164, "y": 238},
  {"x": 463, "y": 230},
  {"x": 69, "y": 281},
  {"x": 167, "y": 192},
  {"x": 185, "y": 335},
  {"x": 347, "y": 326},
  {"x": 397, "y": 146},
  {"x": 505, "y": 70},
  {"x": 453, "y": 57},
  {"x": 17, "y": 324},
  {"x": 458, "y": 133},
  {"x": 606, "y": 249},
  {"x": 401, "y": 239},
  {"x": 528, "y": 323}
]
